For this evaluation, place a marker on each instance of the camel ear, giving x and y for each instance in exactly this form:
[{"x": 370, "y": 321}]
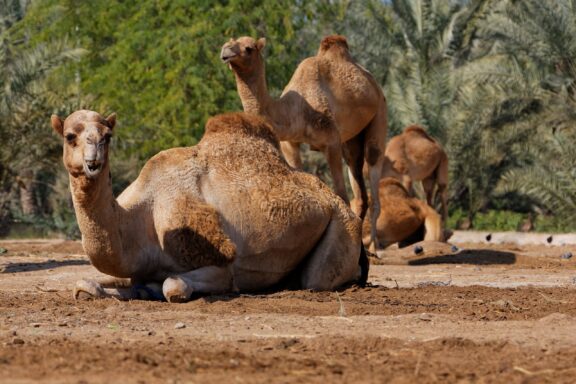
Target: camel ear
[
  {"x": 57, "y": 124},
  {"x": 111, "y": 120},
  {"x": 261, "y": 43}
]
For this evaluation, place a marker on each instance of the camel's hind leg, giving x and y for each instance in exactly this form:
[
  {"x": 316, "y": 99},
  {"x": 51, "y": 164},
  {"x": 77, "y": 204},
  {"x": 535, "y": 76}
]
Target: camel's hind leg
[
  {"x": 291, "y": 152},
  {"x": 440, "y": 179},
  {"x": 374, "y": 149},
  {"x": 354, "y": 156},
  {"x": 336, "y": 259},
  {"x": 212, "y": 279},
  {"x": 442, "y": 182},
  {"x": 333, "y": 154}
]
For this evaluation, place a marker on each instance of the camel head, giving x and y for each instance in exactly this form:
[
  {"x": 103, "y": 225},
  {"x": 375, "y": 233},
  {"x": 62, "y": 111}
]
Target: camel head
[
  {"x": 86, "y": 139},
  {"x": 244, "y": 54}
]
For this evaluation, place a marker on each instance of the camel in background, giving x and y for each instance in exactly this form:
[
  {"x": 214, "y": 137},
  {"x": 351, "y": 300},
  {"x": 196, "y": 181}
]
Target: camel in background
[
  {"x": 227, "y": 214},
  {"x": 403, "y": 219},
  {"x": 416, "y": 156},
  {"x": 331, "y": 103}
]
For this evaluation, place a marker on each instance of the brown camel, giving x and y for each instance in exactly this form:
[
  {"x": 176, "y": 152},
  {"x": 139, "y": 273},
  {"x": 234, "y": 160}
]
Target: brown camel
[
  {"x": 416, "y": 156},
  {"x": 331, "y": 102},
  {"x": 227, "y": 214},
  {"x": 403, "y": 219}
]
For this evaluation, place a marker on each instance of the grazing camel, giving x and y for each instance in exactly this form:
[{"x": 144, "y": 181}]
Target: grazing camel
[
  {"x": 403, "y": 219},
  {"x": 415, "y": 156},
  {"x": 331, "y": 102},
  {"x": 227, "y": 214}
]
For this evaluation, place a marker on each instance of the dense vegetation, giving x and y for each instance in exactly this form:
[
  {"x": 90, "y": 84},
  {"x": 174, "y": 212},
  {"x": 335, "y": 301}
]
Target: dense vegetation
[{"x": 493, "y": 80}]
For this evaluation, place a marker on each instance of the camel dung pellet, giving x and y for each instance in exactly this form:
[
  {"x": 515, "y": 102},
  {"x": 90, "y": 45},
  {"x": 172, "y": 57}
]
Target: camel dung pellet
[{"x": 17, "y": 341}]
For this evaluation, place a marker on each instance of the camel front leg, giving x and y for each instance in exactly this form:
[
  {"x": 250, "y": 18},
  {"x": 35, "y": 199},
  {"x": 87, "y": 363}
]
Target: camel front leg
[
  {"x": 291, "y": 152},
  {"x": 213, "y": 280},
  {"x": 333, "y": 155},
  {"x": 121, "y": 289},
  {"x": 101, "y": 288}
]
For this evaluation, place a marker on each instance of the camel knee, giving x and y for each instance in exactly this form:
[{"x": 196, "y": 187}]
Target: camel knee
[{"x": 176, "y": 289}]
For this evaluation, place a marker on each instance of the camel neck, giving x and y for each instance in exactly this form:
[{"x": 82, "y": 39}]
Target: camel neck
[
  {"x": 98, "y": 215},
  {"x": 253, "y": 91}
]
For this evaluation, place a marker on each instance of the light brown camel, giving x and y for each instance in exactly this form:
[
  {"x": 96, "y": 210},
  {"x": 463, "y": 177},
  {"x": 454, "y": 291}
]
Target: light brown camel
[
  {"x": 227, "y": 214},
  {"x": 403, "y": 219},
  {"x": 331, "y": 102},
  {"x": 416, "y": 156}
]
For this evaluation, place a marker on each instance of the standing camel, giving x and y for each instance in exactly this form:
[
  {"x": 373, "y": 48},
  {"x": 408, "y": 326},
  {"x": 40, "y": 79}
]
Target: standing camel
[
  {"x": 415, "y": 156},
  {"x": 331, "y": 103},
  {"x": 227, "y": 214}
]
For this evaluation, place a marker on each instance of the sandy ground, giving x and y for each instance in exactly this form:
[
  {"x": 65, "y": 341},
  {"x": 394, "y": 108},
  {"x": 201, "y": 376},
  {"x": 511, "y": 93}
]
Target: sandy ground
[{"x": 481, "y": 312}]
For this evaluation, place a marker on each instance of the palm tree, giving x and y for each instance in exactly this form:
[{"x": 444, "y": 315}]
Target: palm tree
[
  {"x": 25, "y": 101},
  {"x": 541, "y": 37}
]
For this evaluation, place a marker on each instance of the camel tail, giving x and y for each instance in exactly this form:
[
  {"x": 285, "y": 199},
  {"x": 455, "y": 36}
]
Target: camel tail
[
  {"x": 364, "y": 267},
  {"x": 333, "y": 42}
]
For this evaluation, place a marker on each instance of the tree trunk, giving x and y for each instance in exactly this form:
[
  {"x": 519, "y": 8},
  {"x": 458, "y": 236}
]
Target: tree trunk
[{"x": 27, "y": 195}]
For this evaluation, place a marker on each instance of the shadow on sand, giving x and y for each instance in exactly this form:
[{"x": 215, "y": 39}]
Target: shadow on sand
[
  {"x": 49, "y": 264},
  {"x": 470, "y": 256}
]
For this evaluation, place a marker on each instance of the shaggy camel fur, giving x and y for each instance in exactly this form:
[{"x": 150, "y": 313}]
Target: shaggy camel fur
[
  {"x": 403, "y": 219},
  {"x": 415, "y": 156},
  {"x": 331, "y": 102},
  {"x": 227, "y": 214}
]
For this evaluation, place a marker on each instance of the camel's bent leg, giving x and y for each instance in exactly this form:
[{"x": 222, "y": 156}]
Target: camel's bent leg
[
  {"x": 212, "y": 279},
  {"x": 336, "y": 259},
  {"x": 291, "y": 152},
  {"x": 105, "y": 287},
  {"x": 354, "y": 157},
  {"x": 432, "y": 223},
  {"x": 334, "y": 158},
  {"x": 375, "y": 146}
]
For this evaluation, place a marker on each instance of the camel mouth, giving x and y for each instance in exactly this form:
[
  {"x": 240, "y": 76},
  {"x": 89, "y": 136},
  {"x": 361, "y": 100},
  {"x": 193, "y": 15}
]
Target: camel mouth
[
  {"x": 226, "y": 59},
  {"x": 92, "y": 169}
]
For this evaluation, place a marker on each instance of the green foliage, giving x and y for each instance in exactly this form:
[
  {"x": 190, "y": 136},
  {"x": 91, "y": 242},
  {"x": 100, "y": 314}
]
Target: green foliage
[
  {"x": 498, "y": 221},
  {"x": 493, "y": 80},
  {"x": 157, "y": 63}
]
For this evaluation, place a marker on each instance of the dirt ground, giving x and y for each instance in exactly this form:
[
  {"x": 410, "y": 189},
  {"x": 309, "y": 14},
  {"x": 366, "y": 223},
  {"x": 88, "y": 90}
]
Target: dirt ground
[{"x": 481, "y": 312}]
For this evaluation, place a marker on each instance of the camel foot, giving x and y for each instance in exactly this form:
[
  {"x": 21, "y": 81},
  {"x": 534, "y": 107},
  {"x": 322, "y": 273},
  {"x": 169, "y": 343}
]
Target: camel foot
[
  {"x": 87, "y": 290},
  {"x": 176, "y": 290}
]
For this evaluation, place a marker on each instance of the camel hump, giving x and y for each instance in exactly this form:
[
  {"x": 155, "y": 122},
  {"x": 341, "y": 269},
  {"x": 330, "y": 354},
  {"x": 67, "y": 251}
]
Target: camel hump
[
  {"x": 333, "y": 42},
  {"x": 242, "y": 123},
  {"x": 419, "y": 131}
]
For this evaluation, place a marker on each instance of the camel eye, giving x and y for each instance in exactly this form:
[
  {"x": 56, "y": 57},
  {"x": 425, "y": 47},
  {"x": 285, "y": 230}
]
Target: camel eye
[
  {"x": 249, "y": 50},
  {"x": 107, "y": 138},
  {"x": 70, "y": 137}
]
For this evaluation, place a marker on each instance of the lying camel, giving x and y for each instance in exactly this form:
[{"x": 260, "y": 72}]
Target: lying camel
[
  {"x": 227, "y": 214},
  {"x": 403, "y": 219},
  {"x": 415, "y": 156},
  {"x": 331, "y": 102}
]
